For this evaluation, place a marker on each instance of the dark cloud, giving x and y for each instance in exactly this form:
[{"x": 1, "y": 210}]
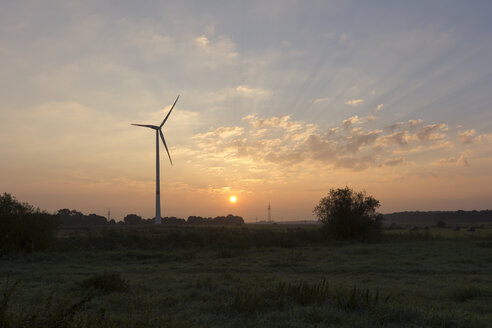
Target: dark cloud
[
  {"x": 399, "y": 138},
  {"x": 432, "y": 132},
  {"x": 359, "y": 139}
]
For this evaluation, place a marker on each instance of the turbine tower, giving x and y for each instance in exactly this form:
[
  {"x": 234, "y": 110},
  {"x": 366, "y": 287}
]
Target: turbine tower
[{"x": 158, "y": 131}]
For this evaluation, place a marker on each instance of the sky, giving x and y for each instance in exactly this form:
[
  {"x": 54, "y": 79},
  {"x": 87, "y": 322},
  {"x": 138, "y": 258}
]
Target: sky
[{"x": 280, "y": 101}]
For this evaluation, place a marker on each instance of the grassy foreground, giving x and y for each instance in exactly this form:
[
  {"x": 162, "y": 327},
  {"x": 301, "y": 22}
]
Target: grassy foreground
[{"x": 434, "y": 278}]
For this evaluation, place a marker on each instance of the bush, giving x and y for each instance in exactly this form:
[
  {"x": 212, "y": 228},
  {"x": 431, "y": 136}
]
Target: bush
[
  {"x": 441, "y": 224},
  {"x": 346, "y": 214},
  {"x": 22, "y": 227}
]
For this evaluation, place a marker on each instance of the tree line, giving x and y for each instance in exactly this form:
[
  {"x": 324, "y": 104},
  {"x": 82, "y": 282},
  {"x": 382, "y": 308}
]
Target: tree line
[
  {"x": 74, "y": 218},
  {"x": 344, "y": 214},
  {"x": 26, "y": 228}
]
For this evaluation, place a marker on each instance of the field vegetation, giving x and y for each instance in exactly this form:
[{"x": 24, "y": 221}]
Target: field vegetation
[{"x": 250, "y": 276}]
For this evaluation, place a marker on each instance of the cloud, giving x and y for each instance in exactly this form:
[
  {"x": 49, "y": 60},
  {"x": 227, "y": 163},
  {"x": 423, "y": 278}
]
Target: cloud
[
  {"x": 221, "y": 47},
  {"x": 354, "y": 102},
  {"x": 221, "y": 133},
  {"x": 282, "y": 141},
  {"x": 209, "y": 52},
  {"x": 462, "y": 160},
  {"x": 202, "y": 41},
  {"x": 394, "y": 161},
  {"x": 466, "y": 137},
  {"x": 350, "y": 121},
  {"x": 283, "y": 122},
  {"x": 246, "y": 91},
  {"x": 400, "y": 138},
  {"x": 359, "y": 139},
  {"x": 432, "y": 132},
  {"x": 260, "y": 146},
  {"x": 321, "y": 148},
  {"x": 414, "y": 123},
  {"x": 485, "y": 138},
  {"x": 409, "y": 126},
  {"x": 379, "y": 107}
]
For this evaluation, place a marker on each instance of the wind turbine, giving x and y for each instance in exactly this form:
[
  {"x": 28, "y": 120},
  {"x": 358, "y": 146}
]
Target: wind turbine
[{"x": 158, "y": 131}]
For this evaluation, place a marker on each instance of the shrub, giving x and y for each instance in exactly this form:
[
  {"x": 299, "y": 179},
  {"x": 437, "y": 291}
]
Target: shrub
[
  {"x": 346, "y": 214},
  {"x": 441, "y": 224}
]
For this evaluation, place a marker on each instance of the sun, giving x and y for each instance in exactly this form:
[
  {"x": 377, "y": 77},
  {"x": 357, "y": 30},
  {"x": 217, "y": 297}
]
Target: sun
[{"x": 233, "y": 199}]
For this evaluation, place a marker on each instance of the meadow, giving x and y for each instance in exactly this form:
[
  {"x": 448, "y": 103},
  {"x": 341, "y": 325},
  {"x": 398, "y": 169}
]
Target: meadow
[{"x": 250, "y": 276}]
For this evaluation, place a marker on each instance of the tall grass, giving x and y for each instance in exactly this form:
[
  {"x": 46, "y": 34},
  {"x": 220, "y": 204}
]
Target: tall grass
[
  {"x": 48, "y": 313},
  {"x": 155, "y": 238},
  {"x": 245, "y": 237},
  {"x": 348, "y": 299},
  {"x": 5, "y": 299}
]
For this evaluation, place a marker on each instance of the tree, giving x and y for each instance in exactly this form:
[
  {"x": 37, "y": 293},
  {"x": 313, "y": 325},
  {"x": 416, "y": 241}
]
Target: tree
[
  {"x": 10, "y": 206},
  {"x": 133, "y": 219},
  {"x": 173, "y": 220},
  {"x": 347, "y": 214},
  {"x": 23, "y": 227},
  {"x": 75, "y": 218},
  {"x": 197, "y": 220},
  {"x": 228, "y": 220}
]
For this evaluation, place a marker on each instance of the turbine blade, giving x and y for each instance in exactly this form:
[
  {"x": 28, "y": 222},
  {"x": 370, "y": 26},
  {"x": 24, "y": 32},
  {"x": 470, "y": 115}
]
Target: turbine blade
[
  {"x": 165, "y": 146},
  {"x": 147, "y": 126},
  {"x": 165, "y": 119}
]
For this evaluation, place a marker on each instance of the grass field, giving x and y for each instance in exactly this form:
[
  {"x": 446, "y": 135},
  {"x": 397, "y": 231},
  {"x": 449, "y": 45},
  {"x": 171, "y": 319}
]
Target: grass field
[{"x": 428, "y": 278}]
